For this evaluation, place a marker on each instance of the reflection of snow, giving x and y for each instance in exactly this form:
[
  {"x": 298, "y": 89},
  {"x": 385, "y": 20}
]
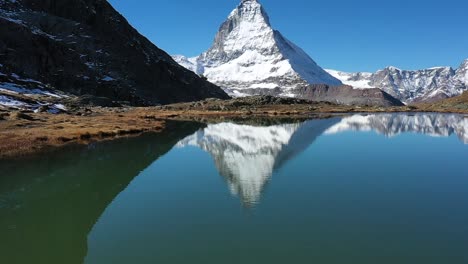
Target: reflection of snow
[
  {"x": 245, "y": 155},
  {"x": 248, "y": 155},
  {"x": 394, "y": 124}
]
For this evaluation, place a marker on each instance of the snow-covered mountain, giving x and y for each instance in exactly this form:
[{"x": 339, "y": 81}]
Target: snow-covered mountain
[
  {"x": 249, "y": 57},
  {"x": 461, "y": 74},
  {"x": 246, "y": 156},
  {"x": 394, "y": 124},
  {"x": 411, "y": 86}
]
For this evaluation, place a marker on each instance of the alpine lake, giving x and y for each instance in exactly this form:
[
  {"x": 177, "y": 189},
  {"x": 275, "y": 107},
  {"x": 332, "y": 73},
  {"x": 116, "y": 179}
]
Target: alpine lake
[{"x": 365, "y": 188}]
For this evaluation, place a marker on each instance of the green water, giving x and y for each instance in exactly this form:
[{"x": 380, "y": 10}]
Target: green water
[{"x": 389, "y": 188}]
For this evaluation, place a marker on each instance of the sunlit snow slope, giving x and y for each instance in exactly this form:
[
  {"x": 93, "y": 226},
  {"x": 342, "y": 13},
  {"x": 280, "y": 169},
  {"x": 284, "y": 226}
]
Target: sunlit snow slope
[{"x": 248, "y": 57}]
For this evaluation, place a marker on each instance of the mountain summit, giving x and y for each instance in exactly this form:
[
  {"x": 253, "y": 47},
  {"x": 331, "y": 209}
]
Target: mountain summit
[{"x": 249, "y": 57}]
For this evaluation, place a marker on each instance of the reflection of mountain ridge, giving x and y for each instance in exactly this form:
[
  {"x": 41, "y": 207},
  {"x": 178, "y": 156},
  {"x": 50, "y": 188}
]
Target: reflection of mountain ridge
[
  {"x": 394, "y": 124},
  {"x": 246, "y": 156},
  {"x": 49, "y": 204}
]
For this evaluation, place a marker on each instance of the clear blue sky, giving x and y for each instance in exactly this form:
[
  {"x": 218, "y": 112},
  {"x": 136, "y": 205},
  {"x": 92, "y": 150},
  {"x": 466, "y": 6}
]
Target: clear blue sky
[{"x": 357, "y": 35}]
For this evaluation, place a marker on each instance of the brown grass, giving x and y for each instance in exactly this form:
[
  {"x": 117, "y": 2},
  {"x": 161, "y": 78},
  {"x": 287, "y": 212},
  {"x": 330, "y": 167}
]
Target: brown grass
[
  {"x": 458, "y": 104},
  {"x": 20, "y": 136},
  {"x": 28, "y": 133}
]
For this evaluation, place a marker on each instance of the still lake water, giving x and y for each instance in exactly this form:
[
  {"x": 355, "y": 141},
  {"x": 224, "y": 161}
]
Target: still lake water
[{"x": 390, "y": 188}]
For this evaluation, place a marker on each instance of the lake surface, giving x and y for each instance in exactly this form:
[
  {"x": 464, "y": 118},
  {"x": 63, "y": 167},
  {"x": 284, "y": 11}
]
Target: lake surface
[{"x": 389, "y": 188}]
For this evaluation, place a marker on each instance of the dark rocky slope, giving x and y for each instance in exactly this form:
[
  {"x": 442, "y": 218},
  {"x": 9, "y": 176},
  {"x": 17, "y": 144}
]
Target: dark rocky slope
[
  {"x": 347, "y": 95},
  {"x": 87, "y": 47}
]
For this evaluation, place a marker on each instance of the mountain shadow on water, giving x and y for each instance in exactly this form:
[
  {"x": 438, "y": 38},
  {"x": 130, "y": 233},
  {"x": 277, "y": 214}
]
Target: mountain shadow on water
[{"x": 49, "y": 204}]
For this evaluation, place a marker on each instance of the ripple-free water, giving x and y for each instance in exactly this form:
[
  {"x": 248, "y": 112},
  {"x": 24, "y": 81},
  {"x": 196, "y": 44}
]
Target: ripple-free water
[{"x": 387, "y": 188}]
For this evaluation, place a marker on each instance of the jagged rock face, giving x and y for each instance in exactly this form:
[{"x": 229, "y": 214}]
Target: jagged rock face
[
  {"x": 343, "y": 94},
  {"x": 347, "y": 95},
  {"x": 248, "y": 56},
  {"x": 86, "y": 47},
  {"x": 412, "y": 86},
  {"x": 394, "y": 124},
  {"x": 461, "y": 74}
]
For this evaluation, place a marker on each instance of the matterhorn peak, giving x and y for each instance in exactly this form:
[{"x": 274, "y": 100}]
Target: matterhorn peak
[
  {"x": 249, "y": 10},
  {"x": 249, "y": 1},
  {"x": 249, "y": 57}
]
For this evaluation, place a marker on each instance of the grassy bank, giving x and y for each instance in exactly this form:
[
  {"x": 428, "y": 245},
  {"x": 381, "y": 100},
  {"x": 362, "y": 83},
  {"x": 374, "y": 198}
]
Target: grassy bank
[{"x": 23, "y": 133}]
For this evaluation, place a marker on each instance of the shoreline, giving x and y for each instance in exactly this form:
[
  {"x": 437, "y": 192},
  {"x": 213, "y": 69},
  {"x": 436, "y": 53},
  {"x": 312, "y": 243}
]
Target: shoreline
[{"x": 24, "y": 133}]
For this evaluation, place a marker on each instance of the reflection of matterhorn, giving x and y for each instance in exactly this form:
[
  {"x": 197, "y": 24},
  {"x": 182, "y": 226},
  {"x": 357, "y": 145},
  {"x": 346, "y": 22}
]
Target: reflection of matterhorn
[
  {"x": 246, "y": 156},
  {"x": 394, "y": 124}
]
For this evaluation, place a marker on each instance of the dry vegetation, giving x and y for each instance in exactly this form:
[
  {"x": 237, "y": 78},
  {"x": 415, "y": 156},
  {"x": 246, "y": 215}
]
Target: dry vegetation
[
  {"x": 457, "y": 104},
  {"x": 24, "y": 132}
]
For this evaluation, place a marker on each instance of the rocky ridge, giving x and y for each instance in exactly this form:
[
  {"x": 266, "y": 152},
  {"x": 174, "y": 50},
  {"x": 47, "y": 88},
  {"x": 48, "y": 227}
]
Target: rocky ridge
[
  {"x": 411, "y": 86},
  {"x": 80, "y": 47}
]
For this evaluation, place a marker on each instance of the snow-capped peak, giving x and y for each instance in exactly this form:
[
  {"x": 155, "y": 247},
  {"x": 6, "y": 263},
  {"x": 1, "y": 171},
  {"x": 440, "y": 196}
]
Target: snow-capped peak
[
  {"x": 411, "y": 85},
  {"x": 251, "y": 10},
  {"x": 392, "y": 68},
  {"x": 248, "y": 56},
  {"x": 464, "y": 63},
  {"x": 246, "y": 28},
  {"x": 462, "y": 73}
]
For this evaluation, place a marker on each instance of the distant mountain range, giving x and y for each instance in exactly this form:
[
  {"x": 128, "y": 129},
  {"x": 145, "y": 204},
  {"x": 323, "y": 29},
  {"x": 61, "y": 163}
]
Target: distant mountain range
[
  {"x": 54, "y": 50},
  {"x": 87, "y": 47},
  {"x": 411, "y": 86}
]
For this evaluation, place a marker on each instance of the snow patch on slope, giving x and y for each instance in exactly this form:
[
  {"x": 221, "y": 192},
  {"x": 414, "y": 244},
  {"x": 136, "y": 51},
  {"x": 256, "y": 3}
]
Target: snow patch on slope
[
  {"x": 10, "y": 102},
  {"x": 461, "y": 74},
  {"x": 28, "y": 94},
  {"x": 248, "y": 54},
  {"x": 357, "y": 80},
  {"x": 411, "y": 86}
]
